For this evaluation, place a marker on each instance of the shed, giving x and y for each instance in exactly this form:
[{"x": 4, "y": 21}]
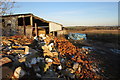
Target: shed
[{"x": 28, "y": 24}]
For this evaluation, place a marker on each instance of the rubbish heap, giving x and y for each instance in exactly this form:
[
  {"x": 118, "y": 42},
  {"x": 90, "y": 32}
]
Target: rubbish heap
[
  {"x": 21, "y": 58},
  {"x": 45, "y": 57}
]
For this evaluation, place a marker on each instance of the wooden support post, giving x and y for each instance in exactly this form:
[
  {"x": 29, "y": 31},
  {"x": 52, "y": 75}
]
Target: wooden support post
[
  {"x": 53, "y": 33},
  {"x": 24, "y": 25},
  {"x": 36, "y": 29},
  {"x": 31, "y": 21}
]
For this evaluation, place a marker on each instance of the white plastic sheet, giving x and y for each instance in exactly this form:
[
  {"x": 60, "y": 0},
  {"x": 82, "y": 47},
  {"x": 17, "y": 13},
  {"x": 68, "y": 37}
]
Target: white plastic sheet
[{"x": 77, "y": 36}]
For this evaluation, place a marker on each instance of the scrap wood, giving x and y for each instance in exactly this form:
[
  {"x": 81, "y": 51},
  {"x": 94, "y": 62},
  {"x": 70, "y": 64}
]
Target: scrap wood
[
  {"x": 5, "y": 60},
  {"x": 56, "y": 61}
]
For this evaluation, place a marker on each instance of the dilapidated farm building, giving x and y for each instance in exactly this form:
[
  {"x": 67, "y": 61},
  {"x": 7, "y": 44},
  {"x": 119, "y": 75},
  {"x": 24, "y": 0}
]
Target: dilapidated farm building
[{"x": 29, "y": 25}]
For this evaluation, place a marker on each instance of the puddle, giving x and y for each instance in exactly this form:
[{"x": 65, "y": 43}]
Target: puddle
[
  {"x": 86, "y": 47},
  {"x": 115, "y": 51}
]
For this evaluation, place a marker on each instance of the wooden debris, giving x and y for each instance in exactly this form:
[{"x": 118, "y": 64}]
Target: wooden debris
[{"x": 5, "y": 60}]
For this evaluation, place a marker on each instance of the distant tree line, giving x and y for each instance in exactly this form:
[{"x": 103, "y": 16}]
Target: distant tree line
[{"x": 83, "y": 28}]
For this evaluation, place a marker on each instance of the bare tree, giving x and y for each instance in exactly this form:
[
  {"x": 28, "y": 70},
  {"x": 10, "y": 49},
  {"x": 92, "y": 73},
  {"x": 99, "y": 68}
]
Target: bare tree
[{"x": 6, "y": 6}]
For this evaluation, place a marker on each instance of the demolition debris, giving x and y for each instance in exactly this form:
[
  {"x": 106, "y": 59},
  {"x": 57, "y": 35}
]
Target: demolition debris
[{"x": 45, "y": 57}]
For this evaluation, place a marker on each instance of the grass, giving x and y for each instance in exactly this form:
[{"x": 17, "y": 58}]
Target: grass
[
  {"x": 83, "y": 28},
  {"x": 104, "y": 37},
  {"x": 95, "y": 31}
]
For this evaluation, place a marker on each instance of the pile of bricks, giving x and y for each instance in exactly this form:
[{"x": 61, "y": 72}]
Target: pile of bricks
[{"x": 77, "y": 55}]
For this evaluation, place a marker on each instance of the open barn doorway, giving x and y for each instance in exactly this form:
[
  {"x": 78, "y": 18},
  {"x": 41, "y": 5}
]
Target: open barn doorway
[{"x": 55, "y": 33}]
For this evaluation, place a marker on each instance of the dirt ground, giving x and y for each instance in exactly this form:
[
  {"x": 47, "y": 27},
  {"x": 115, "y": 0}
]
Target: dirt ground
[
  {"x": 108, "y": 61},
  {"x": 101, "y": 52}
]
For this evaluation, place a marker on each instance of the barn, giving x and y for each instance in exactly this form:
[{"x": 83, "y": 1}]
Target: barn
[{"x": 29, "y": 25}]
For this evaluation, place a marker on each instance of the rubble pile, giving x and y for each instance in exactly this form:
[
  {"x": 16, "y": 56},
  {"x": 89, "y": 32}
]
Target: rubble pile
[
  {"x": 46, "y": 56},
  {"x": 75, "y": 61},
  {"x": 21, "y": 57},
  {"x": 22, "y": 40},
  {"x": 15, "y": 44},
  {"x": 48, "y": 39}
]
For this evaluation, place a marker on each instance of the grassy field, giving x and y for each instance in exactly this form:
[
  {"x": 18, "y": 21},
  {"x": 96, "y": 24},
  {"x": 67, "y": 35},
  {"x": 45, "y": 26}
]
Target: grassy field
[
  {"x": 86, "y": 28},
  {"x": 104, "y": 37},
  {"x": 96, "y": 31},
  {"x": 107, "y": 36}
]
